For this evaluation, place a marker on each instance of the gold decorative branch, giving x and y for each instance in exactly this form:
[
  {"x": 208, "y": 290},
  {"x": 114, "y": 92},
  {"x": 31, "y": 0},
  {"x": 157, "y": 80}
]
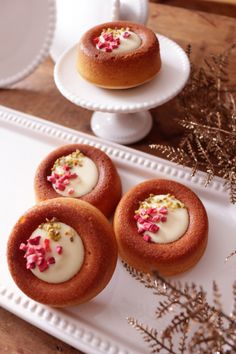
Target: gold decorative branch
[
  {"x": 208, "y": 115},
  {"x": 193, "y": 325}
]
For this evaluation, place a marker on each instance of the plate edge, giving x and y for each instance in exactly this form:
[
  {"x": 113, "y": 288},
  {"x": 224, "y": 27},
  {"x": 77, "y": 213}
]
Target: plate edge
[{"x": 11, "y": 300}]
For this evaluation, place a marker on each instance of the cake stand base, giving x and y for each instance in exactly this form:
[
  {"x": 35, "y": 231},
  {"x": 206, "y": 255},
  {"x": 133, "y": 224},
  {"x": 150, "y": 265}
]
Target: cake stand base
[{"x": 122, "y": 128}]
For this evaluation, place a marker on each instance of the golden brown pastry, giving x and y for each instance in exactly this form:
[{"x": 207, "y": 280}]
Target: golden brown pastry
[
  {"x": 62, "y": 252},
  {"x": 119, "y": 55},
  {"x": 161, "y": 225},
  {"x": 79, "y": 171}
]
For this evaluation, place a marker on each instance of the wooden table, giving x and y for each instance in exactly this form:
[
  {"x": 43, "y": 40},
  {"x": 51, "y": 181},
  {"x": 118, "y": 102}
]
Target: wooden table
[{"x": 39, "y": 96}]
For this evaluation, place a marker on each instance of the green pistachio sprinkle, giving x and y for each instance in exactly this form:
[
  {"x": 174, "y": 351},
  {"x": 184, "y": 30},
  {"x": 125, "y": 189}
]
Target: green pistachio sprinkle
[
  {"x": 71, "y": 160},
  {"x": 168, "y": 201}
]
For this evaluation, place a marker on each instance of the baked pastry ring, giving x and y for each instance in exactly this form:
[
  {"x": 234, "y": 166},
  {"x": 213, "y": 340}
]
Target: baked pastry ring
[
  {"x": 108, "y": 67},
  {"x": 105, "y": 192},
  {"x": 99, "y": 255},
  {"x": 167, "y": 258}
]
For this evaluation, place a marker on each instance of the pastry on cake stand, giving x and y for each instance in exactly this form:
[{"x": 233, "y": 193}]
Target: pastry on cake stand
[{"x": 122, "y": 115}]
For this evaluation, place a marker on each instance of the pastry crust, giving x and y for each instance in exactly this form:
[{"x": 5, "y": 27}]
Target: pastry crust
[
  {"x": 105, "y": 195},
  {"x": 119, "y": 70},
  {"x": 99, "y": 244},
  {"x": 171, "y": 258}
]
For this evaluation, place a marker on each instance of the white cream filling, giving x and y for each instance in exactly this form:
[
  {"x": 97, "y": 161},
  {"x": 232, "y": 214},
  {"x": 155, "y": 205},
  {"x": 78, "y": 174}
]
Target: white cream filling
[
  {"x": 68, "y": 263},
  {"x": 175, "y": 225},
  {"x": 126, "y": 44},
  {"x": 86, "y": 180}
]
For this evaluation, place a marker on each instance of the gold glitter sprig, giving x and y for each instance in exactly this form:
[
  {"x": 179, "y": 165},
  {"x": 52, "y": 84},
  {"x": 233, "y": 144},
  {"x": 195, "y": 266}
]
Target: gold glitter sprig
[
  {"x": 207, "y": 112},
  {"x": 230, "y": 255},
  {"x": 193, "y": 325}
]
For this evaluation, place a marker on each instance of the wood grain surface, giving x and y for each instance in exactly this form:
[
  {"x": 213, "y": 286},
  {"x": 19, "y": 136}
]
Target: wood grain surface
[
  {"x": 38, "y": 95},
  {"x": 220, "y": 7}
]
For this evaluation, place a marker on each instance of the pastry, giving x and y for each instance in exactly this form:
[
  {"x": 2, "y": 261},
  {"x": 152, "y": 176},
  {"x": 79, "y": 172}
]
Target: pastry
[
  {"x": 118, "y": 55},
  {"x": 62, "y": 252},
  {"x": 79, "y": 171},
  {"x": 161, "y": 225}
]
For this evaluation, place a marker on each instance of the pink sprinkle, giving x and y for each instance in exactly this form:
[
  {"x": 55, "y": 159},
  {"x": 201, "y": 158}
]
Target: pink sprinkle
[
  {"x": 51, "y": 260},
  {"x": 71, "y": 191},
  {"x": 51, "y": 179},
  {"x": 108, "y": 49},
  {"x": 73, "y": 175},
  {"x": 136, "y": 216},
  {"x": 23, "y": 247},
  {"x": 106, "y": 44},
  {"x": 56, "y": 175},
  {"x": 40, "y": 250},
  {"x": 30, "y": 250},
  {"x": 30, "y": 265},
  {"x": 63, "y": 177},
  {"x": 147, "y": 225},
  {"x": 40, "y": 261},
  {"x": 96, "y": 40},
  {"x": 140, "y": 229},
  {"x": 43, "y": 266},
  {"x": 142, "y": 212},
  {"x": 100, "y": 45},
  {"x": 147, "y": 238},
  {"x": 114, "y": 46},
  {"x": 32, "y": 258},
  {"x": 153, "y": 228},
  {"x": 163, "y": 218},
  {"x": 156, "y": 218},
  {"x": 47, "y": 245},
  {"x": 109, "y": 37},
  {"x": 151, "y": 211},
  {"x": 126, "y": 35},
  {"x": 60, "y": 186},
  {"x": 59, "y": 249},
  {"x": 163, "y": 210},
  {"x": 141, "y": 220},
  {"x": 66, "y": 182},
  {"x": 34, "y": 241}
]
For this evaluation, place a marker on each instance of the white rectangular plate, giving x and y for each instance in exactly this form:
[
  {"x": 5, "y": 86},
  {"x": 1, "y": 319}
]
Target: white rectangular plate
[{"x": 100, "y": 326}]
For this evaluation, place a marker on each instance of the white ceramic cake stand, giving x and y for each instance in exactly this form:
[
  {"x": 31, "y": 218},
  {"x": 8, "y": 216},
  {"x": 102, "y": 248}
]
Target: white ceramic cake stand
[{"x": 122, "y": 115}]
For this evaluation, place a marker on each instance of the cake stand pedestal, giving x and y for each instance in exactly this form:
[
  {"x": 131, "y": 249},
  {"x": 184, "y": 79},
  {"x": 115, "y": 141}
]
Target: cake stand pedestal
[
  {"x": 121, "y": 128},
  {"x": 122, "y": 115}
]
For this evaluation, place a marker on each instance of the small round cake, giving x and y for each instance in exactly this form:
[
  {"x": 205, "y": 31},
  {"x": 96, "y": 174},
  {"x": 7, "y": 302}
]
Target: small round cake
[
  {"x": 161, "y": 225},
  {"x": 79, "y": 171},
  {"x": 119, "y": 55},
  {"x": 62, "y": 252}
]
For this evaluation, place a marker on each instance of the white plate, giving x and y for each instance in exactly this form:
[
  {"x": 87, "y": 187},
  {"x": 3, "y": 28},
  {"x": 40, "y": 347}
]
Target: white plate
[
  {"x": 168, "y": 83},
  {"x": 74, "y": 17},
  {"x": 26, "y": 32},
  {"x": 100, "y": 326}
]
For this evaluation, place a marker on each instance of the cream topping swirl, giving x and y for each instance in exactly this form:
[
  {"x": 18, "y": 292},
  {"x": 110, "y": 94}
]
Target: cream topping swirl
[
  {"x": 118, "y": 40},
  {"x": 74, "y": 175},
  {"x": 54, "y": 252},
  {"x": 162, "y": 219}
]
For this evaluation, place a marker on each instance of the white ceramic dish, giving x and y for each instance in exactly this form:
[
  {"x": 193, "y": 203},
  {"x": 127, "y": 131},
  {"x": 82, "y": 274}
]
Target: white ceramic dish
[
  {"x": 75, "y": 17},
  {"x": 168, "y": 83},
  {"x": 26, "y": 32},
  {"x": 100, "y": 326},
  {"x": 119, "y": 124}
]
